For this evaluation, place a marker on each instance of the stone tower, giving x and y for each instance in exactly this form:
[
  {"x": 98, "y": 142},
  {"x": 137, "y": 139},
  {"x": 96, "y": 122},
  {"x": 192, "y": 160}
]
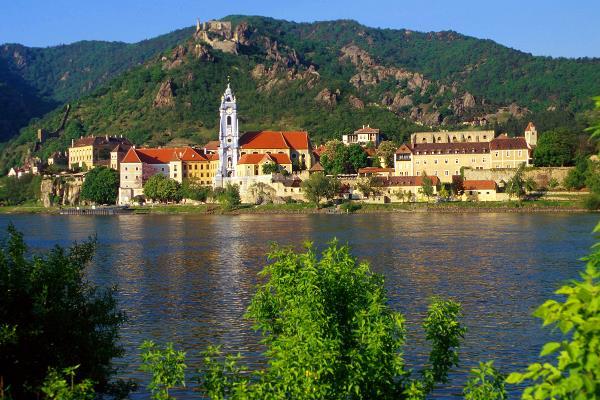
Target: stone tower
[
  {"x": 531, "y": 135},
  {"x": 228, "y": 135}
]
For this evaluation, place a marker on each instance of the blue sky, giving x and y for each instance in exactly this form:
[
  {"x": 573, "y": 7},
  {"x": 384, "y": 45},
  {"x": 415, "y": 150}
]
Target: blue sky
[{"x": 550, "y": 27}]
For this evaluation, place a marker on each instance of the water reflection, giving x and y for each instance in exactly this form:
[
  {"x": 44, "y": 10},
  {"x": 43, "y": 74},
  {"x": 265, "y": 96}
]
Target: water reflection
[{"x": 189, "y": 279}]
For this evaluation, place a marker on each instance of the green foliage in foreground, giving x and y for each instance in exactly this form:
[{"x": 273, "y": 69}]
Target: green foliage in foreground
[
  {"x": 101, "y": 186},
  {"x": 166, "y": 366},
  {"x": 160, "y": 188},
  {"x": 52, "y": 317},
  {"x": 330, "y": 334},
  {"x": 485, "y": 383},
  {"x": 576, "y": 372},
  {"x": 56, "y": 386}
]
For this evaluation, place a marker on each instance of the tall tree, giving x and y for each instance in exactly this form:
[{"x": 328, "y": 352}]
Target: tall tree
[
  {"x": 101, "y": 186},
  {"x": 319, "y": 186},
  {"x": 555, "y": 149}
]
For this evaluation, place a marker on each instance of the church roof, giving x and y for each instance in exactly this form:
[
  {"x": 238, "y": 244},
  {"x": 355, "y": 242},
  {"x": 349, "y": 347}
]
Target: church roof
[
  {"x": 297, "y": 140},
  {"x": 153, "y": 156}
]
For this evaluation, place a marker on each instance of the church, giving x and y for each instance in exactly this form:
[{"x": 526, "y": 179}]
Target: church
[{"x": 241, "y": 158}]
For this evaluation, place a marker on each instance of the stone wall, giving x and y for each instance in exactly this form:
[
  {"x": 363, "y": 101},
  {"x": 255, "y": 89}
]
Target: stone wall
[{"x": 541, "y": 175}]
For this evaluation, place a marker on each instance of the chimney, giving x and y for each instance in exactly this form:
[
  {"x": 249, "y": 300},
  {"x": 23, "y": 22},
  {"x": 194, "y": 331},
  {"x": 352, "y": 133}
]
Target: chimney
[{"x": 72, "y": 142}]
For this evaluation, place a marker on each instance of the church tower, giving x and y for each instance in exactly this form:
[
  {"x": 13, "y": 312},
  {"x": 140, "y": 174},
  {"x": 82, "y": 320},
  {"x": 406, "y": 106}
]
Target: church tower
[
  {"x": 531, "y": 135},
  {"x": 228, "y": 135}
]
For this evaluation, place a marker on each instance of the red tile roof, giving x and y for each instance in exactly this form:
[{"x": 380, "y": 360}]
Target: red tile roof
[
  {"x": 405, "y": 181},
  {"x": 530, "y": 126},
  {"x": 450, "y": 148},
  {"x": 152, "y": 156},
  {"x": 190, "y": 154},
  {"x": 404, "y": 149},
  {"x": 504, "y": 142},
  {"x": 367, "y": 129},
  {"x": 297, "y": 140},
  {"x": 212, "y": 145},
  {"x": 260, "y": 158},
  {"x": 479, "y": 185}
]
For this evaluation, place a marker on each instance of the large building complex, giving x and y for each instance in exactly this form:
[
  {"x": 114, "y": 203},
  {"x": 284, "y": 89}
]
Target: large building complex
[
  {"x": 444, "y": 154},
  {"x": 91, "y": 151}
]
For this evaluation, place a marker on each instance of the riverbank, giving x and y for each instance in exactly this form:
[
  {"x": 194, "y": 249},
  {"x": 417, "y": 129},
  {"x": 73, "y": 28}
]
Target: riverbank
[{"x": 573, "y": 206}]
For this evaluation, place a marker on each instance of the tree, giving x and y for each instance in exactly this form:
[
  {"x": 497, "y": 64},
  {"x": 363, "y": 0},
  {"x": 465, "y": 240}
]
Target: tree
[
  {"x": 330, "y": 334},
  {"x": 191, "y": 189},
  {"x": 15, "y": 191},
  {"x": 387, "y": 151},
  {"x": 357, "y": 158},
  {"x": 101, "y": 186},
  {"x": 575, "y": 178},
  {"x": 159, "y": 187},
  {"x": 229, "y": 197},
  {"x": 56, "y": 386},
  {"x": 270, "y": 168},
  {"x": 59, "y": 319},
  {"x": 319, "y": 186},
  {"x": 167, "y": 367},
  {"x": 426, "y": 186},
  {"x": 555, "y": 149},
  {"x": 575, "y": 374},
  {"x": 369, "y": 186},
  {"x": 518, "y": 185},
  {"x": 592, "y": 179}
]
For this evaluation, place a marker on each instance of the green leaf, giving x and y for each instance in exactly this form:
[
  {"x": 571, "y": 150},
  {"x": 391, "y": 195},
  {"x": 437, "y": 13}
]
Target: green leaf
[{"x": 549, "y": 348}]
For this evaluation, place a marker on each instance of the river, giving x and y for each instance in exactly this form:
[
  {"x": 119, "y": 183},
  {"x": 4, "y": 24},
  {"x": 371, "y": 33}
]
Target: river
[{"x": 188, "y": 278}]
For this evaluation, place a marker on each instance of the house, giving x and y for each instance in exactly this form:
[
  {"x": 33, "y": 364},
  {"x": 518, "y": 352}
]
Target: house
[
  {"x": 295, "y": 144},
  {"x": 403, "y": 188},
  {"x": 177, "y": 163},
  {"x": 253, "y": 164},
  {"x": 91, "y": 151},
  {"x": 479, "y": 190},
  {"x": 363, "y": 136}
]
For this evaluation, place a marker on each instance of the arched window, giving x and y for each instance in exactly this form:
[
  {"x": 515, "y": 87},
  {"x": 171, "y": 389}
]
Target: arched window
[
  {"x": 229, "y": 120},
  {"x": 228, "y": 162}
]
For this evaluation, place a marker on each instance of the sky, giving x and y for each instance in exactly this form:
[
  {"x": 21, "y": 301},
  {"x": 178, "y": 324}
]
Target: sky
[{"x": 559, "y": 28}]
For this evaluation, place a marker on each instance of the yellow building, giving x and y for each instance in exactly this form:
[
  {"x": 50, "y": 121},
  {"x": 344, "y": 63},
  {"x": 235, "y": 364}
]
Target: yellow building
[
  {"x": 253, "y": 164},
  {"x": 479, "y": 190},
  {"x": 91, "y": 151},
  {"x": 443, "y": 154}
]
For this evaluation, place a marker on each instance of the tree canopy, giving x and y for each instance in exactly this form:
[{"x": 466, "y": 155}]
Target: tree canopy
[
  {"x": 319, "y": 186},
  {"x": 101, "y": 186}
]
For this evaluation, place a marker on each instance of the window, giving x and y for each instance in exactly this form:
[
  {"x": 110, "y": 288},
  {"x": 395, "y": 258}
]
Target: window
[
  {"x": 125, "y": 176},
  {"x": 424, "y": 162},
  {"x": 520, "y": 152},
  {"x": 446, "y": 173},
  {"x": 483, "y": 159},
  {"x": 435, "y": 173},
  {"x": 126, "y": 170},
  {"x": 418, "y": 173},
  {"x": 456, "y": 173},
  {"x": 497, "y": 154},
  {"x": 175, "y": 175},
  {"x": 435, "y": 161},
  {"x": 446, "y": 161},
  {"x": 456, "y": 161},
  {"x": 507, "y": 153},
  {"x": 417, "y": 162},
  {"x": 229, "y": 120}
]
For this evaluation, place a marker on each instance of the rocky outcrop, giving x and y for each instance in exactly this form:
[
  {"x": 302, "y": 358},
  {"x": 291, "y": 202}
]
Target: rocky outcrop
[
  {"x": 327, "y": 98},
  {"x": 61, "y": 191},
  {"x": 401, "y": 101},
  {"x": 461, "y": 105},
  {"x": 278, "y": 74},
  {"x": 356, "y": 102},
  {"x": 165, "y": 96}
]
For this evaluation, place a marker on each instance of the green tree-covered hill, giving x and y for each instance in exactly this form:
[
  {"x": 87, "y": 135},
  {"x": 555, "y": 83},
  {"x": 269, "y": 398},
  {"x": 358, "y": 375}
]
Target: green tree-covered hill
[
  {"x": 326, "y": 77},
  {"x": 34, "y": 80}
]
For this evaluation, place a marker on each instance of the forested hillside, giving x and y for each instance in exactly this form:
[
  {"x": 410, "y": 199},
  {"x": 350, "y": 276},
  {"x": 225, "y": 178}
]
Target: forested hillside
[
  {"x": 328, "y": 78},
  {"x": 33, "y": 81}
]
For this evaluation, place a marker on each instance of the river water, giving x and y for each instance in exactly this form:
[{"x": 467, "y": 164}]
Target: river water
[{"x": 188, "y": 278}]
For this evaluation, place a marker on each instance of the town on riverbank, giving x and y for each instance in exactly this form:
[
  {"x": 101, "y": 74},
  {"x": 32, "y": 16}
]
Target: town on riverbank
[{"x": 282, "y": 171}]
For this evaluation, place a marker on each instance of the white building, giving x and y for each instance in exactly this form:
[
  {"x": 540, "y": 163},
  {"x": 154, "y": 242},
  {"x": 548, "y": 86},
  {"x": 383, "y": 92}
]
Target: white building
[{"x": 363, "y": 136}]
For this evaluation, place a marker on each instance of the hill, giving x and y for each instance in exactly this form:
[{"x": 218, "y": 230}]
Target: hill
[
  {"x": 328, "y": 78},
  {"x": 34, "y": 81}
]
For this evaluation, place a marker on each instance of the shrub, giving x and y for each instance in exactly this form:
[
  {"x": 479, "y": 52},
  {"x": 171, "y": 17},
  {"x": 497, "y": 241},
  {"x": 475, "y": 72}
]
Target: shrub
[
  {"x": 330, "y": 334},
  {"x": 485, "y": 383},
  {"x": 592, "y": 201},
  {"x": 167, "y": 367},
  {"x": 57, "y": 318},
  {"x": 56, "y": 386},
  {"x": 229, "y": 197},
  {"x": 319, "y": 186},
  {"x": 350, "y": 207},
  {"x": 101, "y": 186}
]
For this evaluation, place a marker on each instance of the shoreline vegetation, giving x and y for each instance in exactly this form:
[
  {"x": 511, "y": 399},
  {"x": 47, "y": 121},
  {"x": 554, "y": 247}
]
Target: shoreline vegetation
[{"x": 573, "y": 205}]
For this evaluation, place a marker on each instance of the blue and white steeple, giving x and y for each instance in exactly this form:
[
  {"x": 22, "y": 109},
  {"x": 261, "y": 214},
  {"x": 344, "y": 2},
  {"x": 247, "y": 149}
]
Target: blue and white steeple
[{"x": 228, "y": 135}]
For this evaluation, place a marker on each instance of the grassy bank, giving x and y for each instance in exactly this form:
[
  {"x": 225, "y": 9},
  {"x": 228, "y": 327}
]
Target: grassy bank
[{"x": 545, "y": 205}]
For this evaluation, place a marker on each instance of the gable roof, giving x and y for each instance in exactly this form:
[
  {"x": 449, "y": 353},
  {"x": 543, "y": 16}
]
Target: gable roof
[
  {"x": 530, "y": 126},
  {"x": 479, "y": 185},
  {"x": 404, "y": 149},
  {"x": 316, "y": 167},
  {"x": 212, "y": 145},
  {"x": 367, "y": 129},
  {"x": 100, "y": 141},
  {"x": 453, "y": 147},
  {"x": 297, "y": 140},
  {"x": 504, "y": 142},
  {"x": 262, "y": 158}
]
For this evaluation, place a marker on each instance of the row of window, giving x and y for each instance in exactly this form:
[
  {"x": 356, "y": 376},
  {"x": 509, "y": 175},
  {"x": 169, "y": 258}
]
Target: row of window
[{"x": 446, "y": 173}]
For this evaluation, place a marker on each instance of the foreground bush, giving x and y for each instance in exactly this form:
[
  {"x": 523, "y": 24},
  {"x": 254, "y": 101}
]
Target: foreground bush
[
  {"x": 51, "y": 317},
  {"x": 330, "y": 334}
]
